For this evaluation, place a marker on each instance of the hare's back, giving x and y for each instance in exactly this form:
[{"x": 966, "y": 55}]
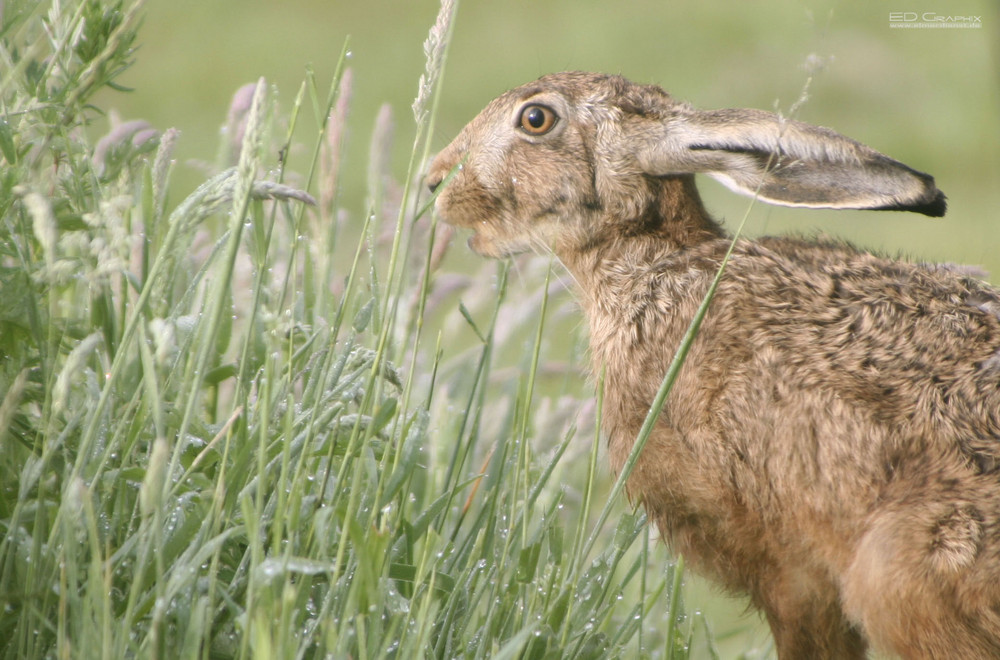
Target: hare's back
[{"x": 915, "y": 346}]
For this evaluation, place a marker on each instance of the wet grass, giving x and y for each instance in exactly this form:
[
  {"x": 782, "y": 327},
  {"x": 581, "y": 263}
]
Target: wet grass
[{"x": 257, "y": 423}]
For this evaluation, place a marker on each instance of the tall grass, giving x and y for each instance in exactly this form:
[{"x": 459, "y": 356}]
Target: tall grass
[{"x": 254, "y": 423}]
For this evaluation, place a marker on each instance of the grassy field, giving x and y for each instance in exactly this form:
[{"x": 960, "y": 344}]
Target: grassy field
[{"x": 253, "y": 405}]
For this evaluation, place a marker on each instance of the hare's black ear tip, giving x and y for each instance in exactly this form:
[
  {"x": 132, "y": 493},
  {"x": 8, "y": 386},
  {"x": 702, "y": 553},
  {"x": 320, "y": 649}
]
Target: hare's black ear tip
[
  {"x": 933, "y": 203},
  {"x": 935, "y": 208}
]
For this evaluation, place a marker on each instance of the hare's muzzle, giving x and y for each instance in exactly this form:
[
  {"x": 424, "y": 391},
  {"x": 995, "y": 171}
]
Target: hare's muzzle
[{"x": 440, "y": 180}]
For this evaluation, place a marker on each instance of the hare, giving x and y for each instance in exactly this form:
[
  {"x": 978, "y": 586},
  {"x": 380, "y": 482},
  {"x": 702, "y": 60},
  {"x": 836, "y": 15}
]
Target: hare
[{"x": 832, "y": 444}]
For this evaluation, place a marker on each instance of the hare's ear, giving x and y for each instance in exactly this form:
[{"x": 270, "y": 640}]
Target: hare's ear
[{"x": 787, "y": 162}]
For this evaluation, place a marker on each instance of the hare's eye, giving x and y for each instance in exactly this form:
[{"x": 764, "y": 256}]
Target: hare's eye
[{"x": 537, "y": 119}]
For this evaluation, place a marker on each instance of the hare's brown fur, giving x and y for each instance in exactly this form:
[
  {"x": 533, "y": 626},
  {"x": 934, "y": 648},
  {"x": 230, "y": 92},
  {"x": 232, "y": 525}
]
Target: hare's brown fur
[{"x": 832, "y": 445}]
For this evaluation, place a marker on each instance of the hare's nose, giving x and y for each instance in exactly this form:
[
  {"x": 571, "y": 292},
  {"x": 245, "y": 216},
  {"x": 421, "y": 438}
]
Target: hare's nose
[{"x": 433, "y": 181}]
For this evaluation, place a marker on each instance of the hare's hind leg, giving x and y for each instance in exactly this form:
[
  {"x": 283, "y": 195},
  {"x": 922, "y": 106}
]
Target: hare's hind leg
[{"x": 924, "y": 581}]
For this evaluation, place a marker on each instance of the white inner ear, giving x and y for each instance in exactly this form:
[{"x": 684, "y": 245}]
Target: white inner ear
[{"x": 731, "y": 183}]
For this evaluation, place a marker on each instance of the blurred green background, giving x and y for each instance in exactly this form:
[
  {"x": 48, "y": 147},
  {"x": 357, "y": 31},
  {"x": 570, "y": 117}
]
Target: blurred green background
[{"x": 927, "y": 97}]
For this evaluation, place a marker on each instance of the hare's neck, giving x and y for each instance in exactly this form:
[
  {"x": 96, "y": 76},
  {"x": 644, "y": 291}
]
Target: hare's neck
[
  {"x": 619, "y": 253},
  {"x": 639, "y": 289}
]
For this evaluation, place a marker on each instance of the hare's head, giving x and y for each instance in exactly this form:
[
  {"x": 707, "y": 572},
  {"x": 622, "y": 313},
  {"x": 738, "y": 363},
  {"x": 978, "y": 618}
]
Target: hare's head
[{"x": 560, "y": 161}]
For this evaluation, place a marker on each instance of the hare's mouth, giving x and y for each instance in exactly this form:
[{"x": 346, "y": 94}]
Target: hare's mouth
[
  {"x": 490, "y": 243},
  {"x": 483, "y": 214},
  {"x": 478, "y": 241},
  {"x": 483, "y": 240},
  {"x": 458, "y": 220}
]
